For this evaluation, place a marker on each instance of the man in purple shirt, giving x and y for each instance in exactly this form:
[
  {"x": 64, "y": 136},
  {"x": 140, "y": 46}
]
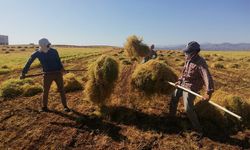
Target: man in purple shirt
[
  {"x": 195, "y": 74},
  {"x": 52, "y": 68}
]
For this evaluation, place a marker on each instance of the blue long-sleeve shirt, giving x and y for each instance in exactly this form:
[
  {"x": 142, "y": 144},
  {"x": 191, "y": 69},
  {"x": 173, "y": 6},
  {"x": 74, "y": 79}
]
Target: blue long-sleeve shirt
[{"x": 50, "y": 61}]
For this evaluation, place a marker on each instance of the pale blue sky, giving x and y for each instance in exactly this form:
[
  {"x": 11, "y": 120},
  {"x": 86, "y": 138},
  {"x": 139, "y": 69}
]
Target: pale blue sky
[{"x": 109, "y": 22}]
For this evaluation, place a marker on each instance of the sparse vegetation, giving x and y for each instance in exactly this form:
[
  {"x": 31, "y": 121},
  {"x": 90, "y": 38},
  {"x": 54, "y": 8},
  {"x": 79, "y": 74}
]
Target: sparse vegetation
[
  {"x": 134, "y": 59},
  {"x": 162, "y": 55},
  {"x": 71, "y": 83},
  {"x": 207, "y": 55},
  {"x": 160, "y": 58},
  {"x": 182, "y": 63},
  {"x": 120, "y": 52},
  {"x": 17, "y": 59},
  {"x": 220, "y": 59},
  {"x": 4, "y": 71},
  {"x": 121, "y": 58},
  {"x": 126, "y": 62},
  {"x": 235, "y": 65},
  {"x": 218, "y": 66},
  {"x": 5, "y": 67},
  {"x": 31, "y": 89}
]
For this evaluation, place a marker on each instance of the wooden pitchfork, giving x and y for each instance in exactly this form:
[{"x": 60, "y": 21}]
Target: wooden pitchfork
[
  {"x": 42, "y": 73},
  {"x": 210, "y": 102}
]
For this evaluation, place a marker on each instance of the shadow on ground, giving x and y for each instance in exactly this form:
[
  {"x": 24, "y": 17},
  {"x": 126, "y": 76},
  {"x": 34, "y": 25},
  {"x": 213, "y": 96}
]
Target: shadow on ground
[
  {"x": 111, "y": 116},
  {"x": 85, "y": 123},
  {"x": 167, "y": 125}
]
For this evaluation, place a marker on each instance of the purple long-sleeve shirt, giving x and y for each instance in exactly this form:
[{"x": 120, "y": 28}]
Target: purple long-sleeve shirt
[{"x": 195, "y": 74}]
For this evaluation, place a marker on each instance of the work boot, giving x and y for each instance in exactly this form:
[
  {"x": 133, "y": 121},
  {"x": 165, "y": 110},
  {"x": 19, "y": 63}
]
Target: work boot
[
  {"x": 44, "y": 109},
  {"x": 196, "y": 136},
  {"x": 66, "y": 109},
  {"x": 172, "y": 119}
]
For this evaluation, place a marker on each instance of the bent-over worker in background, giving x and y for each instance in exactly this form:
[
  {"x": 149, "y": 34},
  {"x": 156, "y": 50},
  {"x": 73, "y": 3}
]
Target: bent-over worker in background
[{"x": 151, "y": 55}]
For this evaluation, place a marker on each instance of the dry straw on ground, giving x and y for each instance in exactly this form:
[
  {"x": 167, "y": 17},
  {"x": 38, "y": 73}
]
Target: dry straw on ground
[
  {"x": 4, "y": 71},
  {"x": 14, "y": 87},
  {"x": 218, "y": 65},
  {"x": 31, "y": 89},
  {"x": 126, "y": 62},
  {"x": 71, "y": 83},
  {"x": 221, "y": 119},
  {"x": 135, "y": 47},
  {"x": 234, "y": 65},
  {"x": 152, "y": 77},
  {"x": 102, "y": 76}
]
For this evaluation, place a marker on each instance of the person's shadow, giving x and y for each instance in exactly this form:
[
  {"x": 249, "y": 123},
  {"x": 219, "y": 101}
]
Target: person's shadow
[
  {"x": 143, "y": 121},
  {"x": 168, "y": 125},
  {"x": 85, "y": 123},
  {"x": 112, "y": 115}
]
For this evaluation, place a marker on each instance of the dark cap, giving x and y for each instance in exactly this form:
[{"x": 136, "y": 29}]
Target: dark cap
[{"x": 192, "y": 47}]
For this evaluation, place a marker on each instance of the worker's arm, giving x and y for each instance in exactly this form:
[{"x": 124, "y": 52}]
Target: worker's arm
[
  {"x": 207, "y": 79},
  {"x": 28, "y": 64}
]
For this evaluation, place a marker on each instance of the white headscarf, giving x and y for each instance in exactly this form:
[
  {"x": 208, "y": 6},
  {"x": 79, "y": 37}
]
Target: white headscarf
[{"x": 44, "y": 45}]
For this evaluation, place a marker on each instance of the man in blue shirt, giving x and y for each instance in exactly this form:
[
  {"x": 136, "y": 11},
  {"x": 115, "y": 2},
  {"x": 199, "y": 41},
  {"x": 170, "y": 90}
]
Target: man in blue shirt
[{"x": 53, "y": 71}]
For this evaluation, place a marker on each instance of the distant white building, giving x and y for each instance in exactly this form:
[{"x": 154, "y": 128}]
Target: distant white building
[{"x": 4, "y": 40}]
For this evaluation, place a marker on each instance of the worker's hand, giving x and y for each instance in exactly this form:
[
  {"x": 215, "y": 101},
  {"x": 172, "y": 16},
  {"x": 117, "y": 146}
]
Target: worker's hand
[
  {"x": 22, "y": 76},
  {"x": 177, "y": 83},
  {"x": 207, "y": 97}
]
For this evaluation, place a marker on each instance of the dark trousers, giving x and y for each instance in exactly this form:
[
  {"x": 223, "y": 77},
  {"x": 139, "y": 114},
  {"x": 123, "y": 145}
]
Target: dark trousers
[
  {"x": 188, "y": 100},
  {"x": 47, "y": 81}
]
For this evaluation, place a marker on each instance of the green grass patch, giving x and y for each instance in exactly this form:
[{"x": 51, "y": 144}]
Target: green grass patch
[
  {"x": 15, "y": 87},
  {"x": 17, "y": 59}
]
